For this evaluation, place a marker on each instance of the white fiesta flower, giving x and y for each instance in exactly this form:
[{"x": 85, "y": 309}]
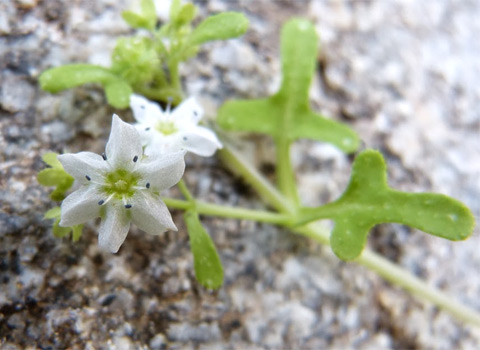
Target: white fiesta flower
[
  {"x": 171, "y": 131},
  {"x": 120, "y": 186}
]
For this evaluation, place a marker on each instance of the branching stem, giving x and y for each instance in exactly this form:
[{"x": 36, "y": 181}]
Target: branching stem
[{"x": 383, "y": 267}]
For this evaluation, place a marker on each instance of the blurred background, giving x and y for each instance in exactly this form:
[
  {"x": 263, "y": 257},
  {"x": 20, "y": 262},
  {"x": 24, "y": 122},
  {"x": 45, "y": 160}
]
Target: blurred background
[{"x": 403, "y": 74}]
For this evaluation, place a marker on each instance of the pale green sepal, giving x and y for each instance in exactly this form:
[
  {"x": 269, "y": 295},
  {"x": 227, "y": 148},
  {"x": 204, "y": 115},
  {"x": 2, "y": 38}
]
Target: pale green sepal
[
  {"x": 60, "y": 231},
  {"x": 55, "y": 176}
]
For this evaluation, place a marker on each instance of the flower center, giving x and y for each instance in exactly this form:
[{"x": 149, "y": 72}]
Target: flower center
[
  {"x": 166, "y": 127},
  {"x": 120, "y": 183}
]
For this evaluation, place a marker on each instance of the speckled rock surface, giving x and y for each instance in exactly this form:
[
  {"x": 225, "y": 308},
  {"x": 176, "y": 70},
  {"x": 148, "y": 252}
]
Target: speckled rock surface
[{"x": 403, "y": 74}]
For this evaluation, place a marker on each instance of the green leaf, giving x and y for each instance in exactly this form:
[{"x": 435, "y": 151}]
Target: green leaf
[
  {"x": 369, "y": 201},
  {"x": 118, "y": 93},
  {"x": 185, "y": 15},
  {"x": 223, "y": 26},
  {"x": 135, "y": 60},
  {"x": 77, "y": 232},
  {"x": 60, "y": 231},
  {"x": 147, "y": 17},
  {"x": 71, "y": 75},
  {"x": 208, "y": 267},
  {"x": 51, "y": 159},
  {"x": 286, "y": 115},
  {"x": 55, "y": 176},
  {"x": 175, "y": 7}
]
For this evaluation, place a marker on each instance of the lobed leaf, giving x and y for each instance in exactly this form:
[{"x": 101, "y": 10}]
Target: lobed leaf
[
  {"x": 208, "y": 267},
  {"x": 223, "y": 26},
  {"x": 369, "y": 201},
  {"x": 71, "y": 75},
  {"x": 287, "y": 115}
]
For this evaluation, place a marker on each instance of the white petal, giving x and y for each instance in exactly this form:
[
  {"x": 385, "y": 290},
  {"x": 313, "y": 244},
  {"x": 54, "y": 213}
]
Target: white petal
[
  {"x": 123, "y": 145},
  {"x": 201, "y": 141},
  {"x": 145, "y": 111},
  {"x": 187, "y": 114},
  {"x": 80, "y": 206},
  {"x": 162, "y": 171},
  {"x": 158, "y": 145},
  {"x": 114, "y": 227},
  {"x": 83, "y": 164},
  {"x": 146, "y": 136},
  {"x": 151, "y": 215}
]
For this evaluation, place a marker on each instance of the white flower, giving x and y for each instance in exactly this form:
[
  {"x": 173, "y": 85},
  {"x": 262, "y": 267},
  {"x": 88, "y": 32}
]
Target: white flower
[
  {"x": 170, "y": 131},
  {"x": 120, "y": 186}
]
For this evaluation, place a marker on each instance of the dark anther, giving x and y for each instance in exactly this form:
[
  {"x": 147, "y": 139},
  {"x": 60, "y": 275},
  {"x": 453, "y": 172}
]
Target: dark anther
[
  {"x": 148, "y": 185},
  {"x": 195, "y": 113},
  {"x": 184, "y": 138},
  {"x": 128, "y": 206},
  {"x": 88, "y": 177},
  {"x": 100, "y": 202},
  {"x": 146, "y": 129},
  {"x": 142, "y": 107},
  {"x": 135, "y": 159},
  {"x": 104, "y": 156}
]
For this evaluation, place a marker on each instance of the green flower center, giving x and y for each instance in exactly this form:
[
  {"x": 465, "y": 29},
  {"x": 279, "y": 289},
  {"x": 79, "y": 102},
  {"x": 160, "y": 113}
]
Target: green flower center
[
  {"x": 166, "y": 127},
  {"x": 121, "y": 183}
]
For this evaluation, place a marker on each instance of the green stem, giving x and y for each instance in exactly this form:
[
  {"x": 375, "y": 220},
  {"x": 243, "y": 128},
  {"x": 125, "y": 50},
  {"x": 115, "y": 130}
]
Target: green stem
[
  {"x": 388, "y": 270},
  {"x": 184, "y": 189},
  {"x": 230, "y": 212},
  {"x": 238, "y": 165},
  {"x": 174, "y": 74},
  {"x": 285, "y": 174}
]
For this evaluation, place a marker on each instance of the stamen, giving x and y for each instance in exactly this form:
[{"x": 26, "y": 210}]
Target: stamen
[
  {"x": 142, "y": 106},
  {"x": 146, "y": 129},
  {"x": 100, "y": 202},
  {"x": 147, "y": 185},
  {"x": 88, "y": 177},
  {"x": 195, "y": 113},
  {"x": 107, "y": 200},
  {"x": 104, "y": 156},
  {"x": 128, "y": 206},
  {"x": 184, "y": 138},
  {"x": 135, "y": 159}
]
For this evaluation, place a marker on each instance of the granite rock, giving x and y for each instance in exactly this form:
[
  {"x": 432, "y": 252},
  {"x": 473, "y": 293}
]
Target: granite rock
[{"x": 402, "y": 74}]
